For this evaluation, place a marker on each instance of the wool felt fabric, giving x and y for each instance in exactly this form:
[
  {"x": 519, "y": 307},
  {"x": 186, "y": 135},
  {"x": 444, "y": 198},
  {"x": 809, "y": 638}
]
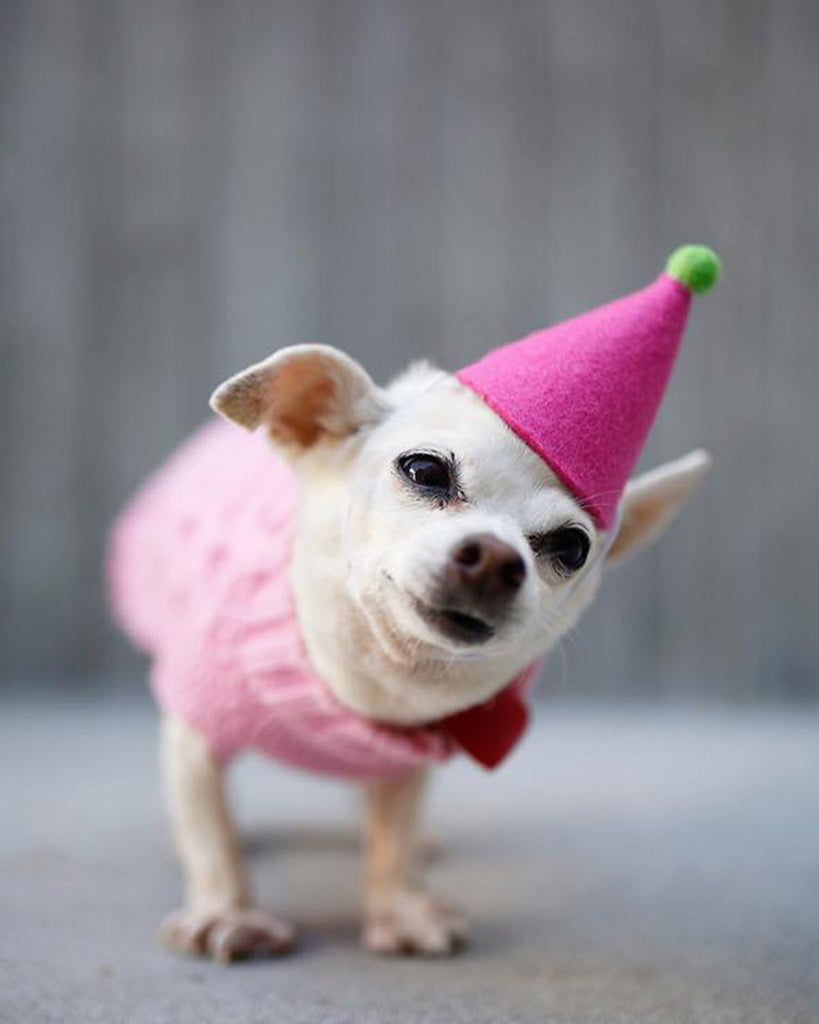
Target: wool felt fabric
[
  {"x": 199, "y": 577},
  {"x": 584, "y": 394}
]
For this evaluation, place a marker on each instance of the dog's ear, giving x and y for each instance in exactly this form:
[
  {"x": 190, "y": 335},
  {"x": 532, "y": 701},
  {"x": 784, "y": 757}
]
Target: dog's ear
[
  {"x": 652, "y": 500},
  {"x": 302, "y": 394}
]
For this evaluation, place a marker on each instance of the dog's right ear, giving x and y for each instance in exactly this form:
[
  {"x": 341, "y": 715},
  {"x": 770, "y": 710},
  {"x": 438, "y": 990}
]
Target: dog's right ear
[
  {"x": 302, "y": 394},
  {"x": 652, "y": 500}
]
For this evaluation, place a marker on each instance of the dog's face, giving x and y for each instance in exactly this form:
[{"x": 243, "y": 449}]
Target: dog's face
[
  {"x": 459, "y": 542},
  {"x": 453, "y": 540}
]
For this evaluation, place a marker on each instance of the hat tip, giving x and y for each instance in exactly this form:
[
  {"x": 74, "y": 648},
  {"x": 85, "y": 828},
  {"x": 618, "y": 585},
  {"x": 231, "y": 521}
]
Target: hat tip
[{"x": 695, "y": 266}]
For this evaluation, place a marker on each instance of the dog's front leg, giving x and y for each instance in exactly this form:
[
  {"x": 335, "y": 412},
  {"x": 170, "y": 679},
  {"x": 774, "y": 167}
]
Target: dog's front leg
[
  {"x": 218, "y": 919},
  {"x": 400, "y": 915}
]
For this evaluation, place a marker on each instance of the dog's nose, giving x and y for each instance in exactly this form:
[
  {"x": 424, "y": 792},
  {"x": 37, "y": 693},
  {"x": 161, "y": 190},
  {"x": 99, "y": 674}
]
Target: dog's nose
[{"x": 487, "y": 566}]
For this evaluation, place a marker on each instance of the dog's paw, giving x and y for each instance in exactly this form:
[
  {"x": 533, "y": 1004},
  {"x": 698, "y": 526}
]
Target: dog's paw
[
  {"x": 228, "y": 935},
  {"x": 415, "y": 922}
]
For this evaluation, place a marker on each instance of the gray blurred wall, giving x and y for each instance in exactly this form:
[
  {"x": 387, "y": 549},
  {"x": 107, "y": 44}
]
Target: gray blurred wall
[{"x": 185, "y": 186}]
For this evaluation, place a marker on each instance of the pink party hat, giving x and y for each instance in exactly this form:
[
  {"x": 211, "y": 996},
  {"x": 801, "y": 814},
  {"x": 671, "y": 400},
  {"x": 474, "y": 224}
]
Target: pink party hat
[{"x": 584, "y": 393}]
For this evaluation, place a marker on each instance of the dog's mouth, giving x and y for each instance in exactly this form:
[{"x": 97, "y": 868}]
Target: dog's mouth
[{"x": 456, "y": 625}]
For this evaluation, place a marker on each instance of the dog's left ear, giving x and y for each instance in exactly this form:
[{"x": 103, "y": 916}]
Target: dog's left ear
[
  {"x": 651, "y": 501},
  {"x": 302, "y": 394}
]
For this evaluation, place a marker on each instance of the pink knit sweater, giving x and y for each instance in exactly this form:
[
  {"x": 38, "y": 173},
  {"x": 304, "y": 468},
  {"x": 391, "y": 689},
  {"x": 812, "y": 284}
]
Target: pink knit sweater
[{"x": 199, "y": 575}]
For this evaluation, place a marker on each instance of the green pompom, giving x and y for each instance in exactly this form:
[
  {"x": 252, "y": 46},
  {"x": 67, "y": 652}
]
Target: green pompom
[{"x": 695, "y": 266}]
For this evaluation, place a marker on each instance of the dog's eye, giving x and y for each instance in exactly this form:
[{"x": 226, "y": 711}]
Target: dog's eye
[
  {"x": 428, "y": 472},
  {"x": 567, "y": 548}
]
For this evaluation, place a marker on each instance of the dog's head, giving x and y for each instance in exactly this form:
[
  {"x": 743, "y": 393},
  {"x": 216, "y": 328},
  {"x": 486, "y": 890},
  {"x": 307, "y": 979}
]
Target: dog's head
[{"x": 456, "y": 541}]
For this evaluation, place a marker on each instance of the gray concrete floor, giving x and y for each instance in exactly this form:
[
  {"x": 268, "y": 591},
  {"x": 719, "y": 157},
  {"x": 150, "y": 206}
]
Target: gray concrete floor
[{"x": 657, "y": 866}]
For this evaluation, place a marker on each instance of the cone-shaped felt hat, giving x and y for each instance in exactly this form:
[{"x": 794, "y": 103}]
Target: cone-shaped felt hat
[{"x": 584, "y": 393}]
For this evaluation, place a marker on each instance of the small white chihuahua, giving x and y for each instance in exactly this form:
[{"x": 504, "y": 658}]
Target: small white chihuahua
[
  {"x": 368, "y": 594},
  {"x": 436, "y": 556}
]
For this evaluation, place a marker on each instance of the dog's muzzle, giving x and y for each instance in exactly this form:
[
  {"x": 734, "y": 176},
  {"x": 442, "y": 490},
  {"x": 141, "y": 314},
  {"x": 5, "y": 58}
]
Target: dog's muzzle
[{"x": 481, "y": 577}]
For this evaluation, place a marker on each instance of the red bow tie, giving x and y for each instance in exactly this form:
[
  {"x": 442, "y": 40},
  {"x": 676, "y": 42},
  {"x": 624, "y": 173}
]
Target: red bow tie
[{"x": 489, "y": 731}]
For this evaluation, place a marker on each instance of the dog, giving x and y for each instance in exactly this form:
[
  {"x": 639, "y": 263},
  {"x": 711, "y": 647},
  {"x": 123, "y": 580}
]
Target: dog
[{"x": 430, "y": 558}]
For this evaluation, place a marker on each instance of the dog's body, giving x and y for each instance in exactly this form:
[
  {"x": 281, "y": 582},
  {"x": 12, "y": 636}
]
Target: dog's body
[{"x": 435, "y": 559}]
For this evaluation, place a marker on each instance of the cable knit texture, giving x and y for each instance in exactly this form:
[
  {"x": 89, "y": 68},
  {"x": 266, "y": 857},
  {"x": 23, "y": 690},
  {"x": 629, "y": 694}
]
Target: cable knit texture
[{"x": 199, "y": 575}]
